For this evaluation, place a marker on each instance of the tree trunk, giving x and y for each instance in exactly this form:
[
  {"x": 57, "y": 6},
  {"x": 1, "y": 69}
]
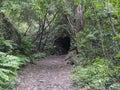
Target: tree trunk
[
  {"x": 76, "y": 25},
  {"x": 11, "y": 32},
  {"x": 41, "y": 36}
]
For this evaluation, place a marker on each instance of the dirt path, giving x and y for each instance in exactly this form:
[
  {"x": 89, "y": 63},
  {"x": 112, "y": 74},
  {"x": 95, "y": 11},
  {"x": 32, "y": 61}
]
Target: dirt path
[{"x": 52, "y": 73}]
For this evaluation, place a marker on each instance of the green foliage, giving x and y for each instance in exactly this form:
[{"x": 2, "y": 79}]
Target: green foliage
[
  {"x": 76, "y": 2},
  {"x": 9, "y": 65},
  {"x": 26, "y": 46},
  {"x": 43, "y": 20},
  {"x": 23, "y": 59},
  {"x": 115, "y": 86},
  {"x": 5, "y": 45},
  {"x": 98, "y": 40},
  {"x": 39, "y": 55},
  {"x": 99, "y": 75},
  {"x": 117, "y": 59}
]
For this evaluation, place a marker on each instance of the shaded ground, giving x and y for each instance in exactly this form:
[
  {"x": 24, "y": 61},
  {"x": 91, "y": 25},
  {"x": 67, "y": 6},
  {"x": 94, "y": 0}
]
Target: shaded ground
[{"x": 52, "y": 73}]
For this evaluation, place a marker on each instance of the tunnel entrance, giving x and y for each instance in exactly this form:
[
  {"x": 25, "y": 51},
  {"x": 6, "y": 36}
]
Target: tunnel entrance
[{"x": 62, "y": 45}]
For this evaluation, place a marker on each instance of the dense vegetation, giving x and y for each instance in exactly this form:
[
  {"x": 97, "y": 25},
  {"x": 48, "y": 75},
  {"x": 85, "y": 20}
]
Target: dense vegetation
[{"x": 32, "y": 26}]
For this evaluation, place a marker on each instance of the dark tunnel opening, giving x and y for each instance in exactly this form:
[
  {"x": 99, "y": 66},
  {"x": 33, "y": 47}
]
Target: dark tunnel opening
[{"x": 62, "y": 45}]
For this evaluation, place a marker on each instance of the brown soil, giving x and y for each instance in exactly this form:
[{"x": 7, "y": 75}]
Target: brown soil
[{"x": 52, "y": 73}]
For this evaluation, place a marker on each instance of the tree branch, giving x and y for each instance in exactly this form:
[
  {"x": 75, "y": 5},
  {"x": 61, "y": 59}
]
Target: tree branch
[{"x": 112, "y": 25}]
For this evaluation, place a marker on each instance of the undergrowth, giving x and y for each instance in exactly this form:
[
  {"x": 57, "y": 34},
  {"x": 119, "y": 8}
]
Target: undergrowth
[
  {"x": 100, "y": 75},
  {"x": 9, "y": 65},
  {"x": 38, "y": 56}
]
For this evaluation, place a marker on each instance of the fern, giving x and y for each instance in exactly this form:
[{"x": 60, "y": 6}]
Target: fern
[{"x": 9, "y": 65}]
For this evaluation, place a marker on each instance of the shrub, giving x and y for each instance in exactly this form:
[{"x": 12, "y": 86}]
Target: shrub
[
  {"x": 39, "y": 55},
  {"x": 23, "y": 59},
  {"x": 115, "y": 86},
  {"x": 6, "y": 45},
  {"x": 98, "y": 75},
  {"x": 9, "y": 65},
  {"x": 26, "y": 46}
]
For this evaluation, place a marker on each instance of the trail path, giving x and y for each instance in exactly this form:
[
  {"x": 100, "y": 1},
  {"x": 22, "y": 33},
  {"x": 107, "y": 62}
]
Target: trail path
[{"x": 52, "y": 73}]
